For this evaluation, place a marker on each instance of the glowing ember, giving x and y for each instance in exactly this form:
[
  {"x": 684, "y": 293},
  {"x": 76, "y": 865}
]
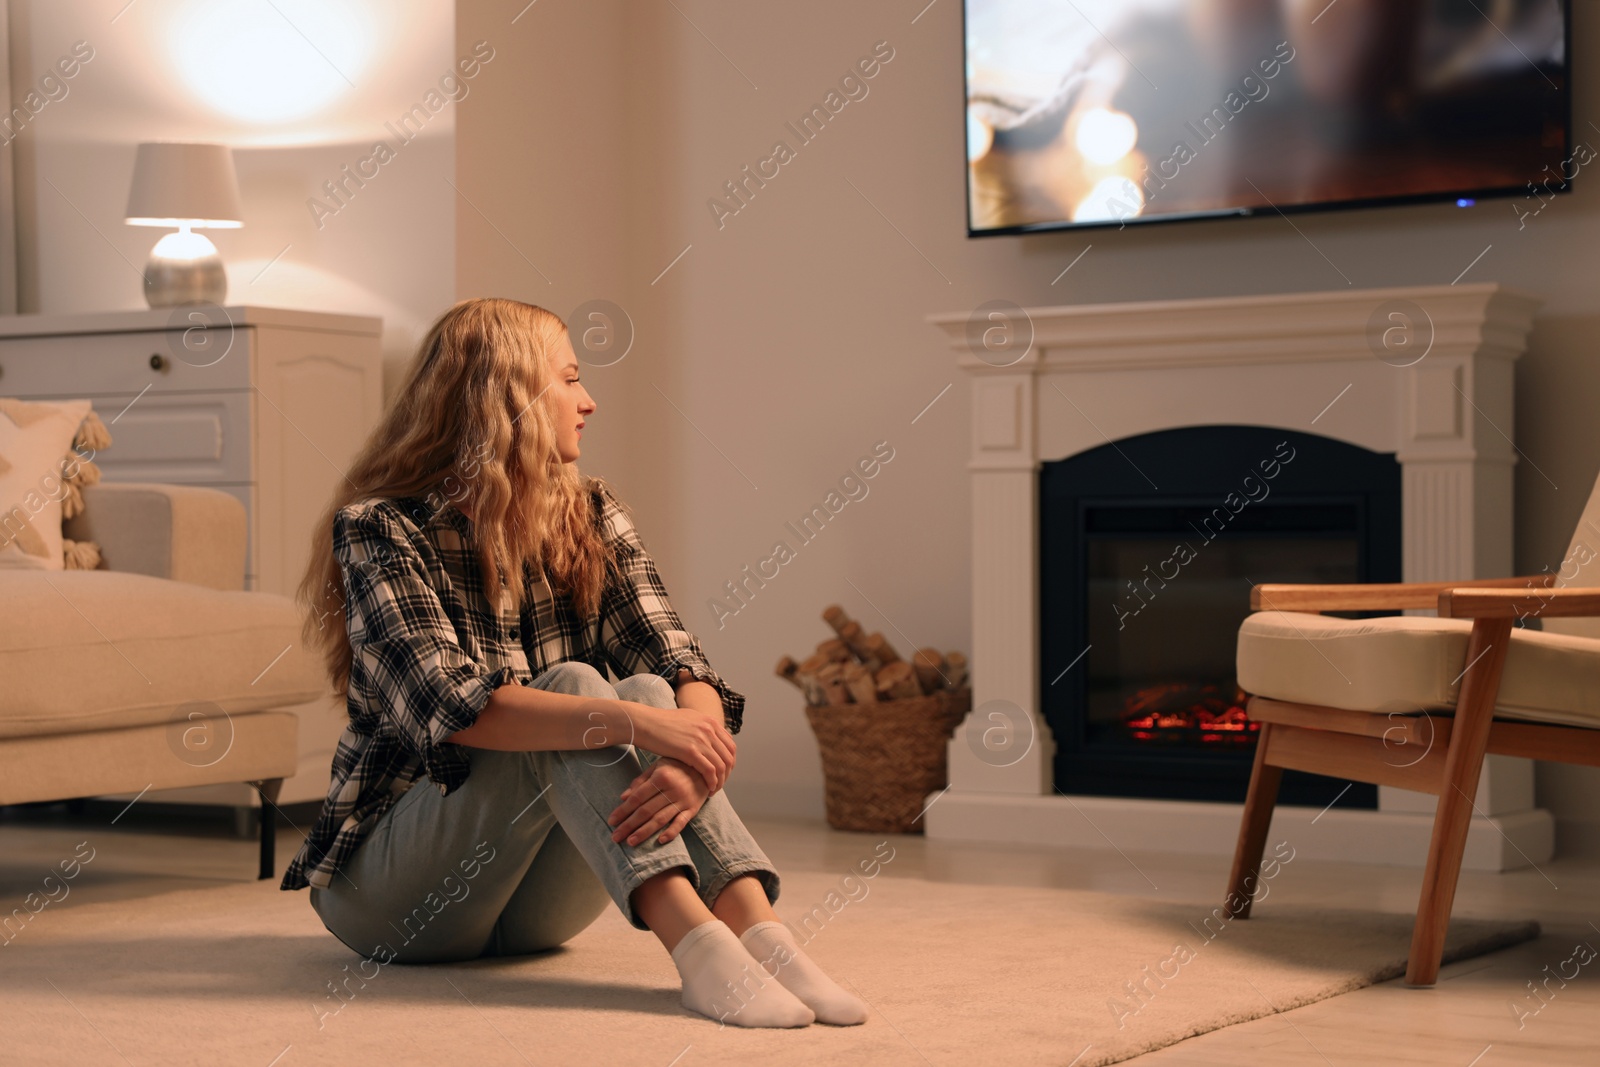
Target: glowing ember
[{"x": 1189, "y": 713}]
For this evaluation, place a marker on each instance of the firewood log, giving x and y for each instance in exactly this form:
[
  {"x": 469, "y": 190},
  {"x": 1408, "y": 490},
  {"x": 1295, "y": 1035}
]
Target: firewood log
[
  {"x": 856, "y": 638},
  {"x": 830, "y": 677},
  {"x": 835, "y": 649},
  {"x": 882, "y": 679},
  {"x": 898, "y": 681},
  {"x": 863, "y": 687},
  {"x": 788, "y": 669},
  {"x": 835, "y": 617},
  {"x": 807, "y": 674},
  {"x": 929, "y": 665},
  {"x": 955, "y": 669},
  {"x": 880, "y": 647}
]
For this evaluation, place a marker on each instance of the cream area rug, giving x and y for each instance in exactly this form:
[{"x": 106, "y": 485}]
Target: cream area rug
[{"x": 955, "y": 974}]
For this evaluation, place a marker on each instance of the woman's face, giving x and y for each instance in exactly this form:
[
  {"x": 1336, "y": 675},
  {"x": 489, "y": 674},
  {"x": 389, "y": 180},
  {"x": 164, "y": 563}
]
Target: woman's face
[{"x": 570, "y": 402}]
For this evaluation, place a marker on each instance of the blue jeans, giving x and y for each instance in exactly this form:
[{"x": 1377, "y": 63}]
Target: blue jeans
[{"x": 519, "y": 857}]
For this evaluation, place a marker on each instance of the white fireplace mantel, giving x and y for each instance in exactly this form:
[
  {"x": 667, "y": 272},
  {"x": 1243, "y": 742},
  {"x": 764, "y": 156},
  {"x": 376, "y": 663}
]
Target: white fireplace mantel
[{"x": 1425, "y": 373}]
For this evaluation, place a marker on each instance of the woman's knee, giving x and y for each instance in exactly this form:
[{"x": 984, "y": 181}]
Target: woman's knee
[
  {"x": 651, "y": 689},
  {"x": 575, "y": 677},
  {"x": 607, "y": 770}
]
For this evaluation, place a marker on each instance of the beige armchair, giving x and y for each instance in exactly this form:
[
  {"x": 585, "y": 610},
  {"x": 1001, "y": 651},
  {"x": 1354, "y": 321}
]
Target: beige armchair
[
  {"x": 157, "y": 671},
  {"x": 1335, "y": 696}
]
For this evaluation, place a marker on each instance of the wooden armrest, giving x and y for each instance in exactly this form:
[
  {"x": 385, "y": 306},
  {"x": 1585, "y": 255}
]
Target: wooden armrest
[
  {"x": 1377, "y": 596},
  {"x": 1463, "y": 603}
]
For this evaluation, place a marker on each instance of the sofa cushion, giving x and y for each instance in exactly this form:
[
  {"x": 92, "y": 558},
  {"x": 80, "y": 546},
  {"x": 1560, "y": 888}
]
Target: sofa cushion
[
  {"x": 82, "y": 650},
  {"x": 1412, "y": 663},
  {"x": 35, "y": 444}
]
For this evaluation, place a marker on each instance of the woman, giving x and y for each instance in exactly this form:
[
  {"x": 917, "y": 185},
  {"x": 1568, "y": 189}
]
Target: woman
[{"x": 556, "y": 790}]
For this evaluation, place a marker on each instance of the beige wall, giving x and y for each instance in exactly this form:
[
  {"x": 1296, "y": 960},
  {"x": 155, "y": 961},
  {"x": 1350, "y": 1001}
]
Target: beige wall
[
  {"x": 389, "y": 251},
  {"x": 793, "y": 337}
]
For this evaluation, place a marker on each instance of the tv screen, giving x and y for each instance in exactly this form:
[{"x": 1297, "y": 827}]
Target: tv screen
[{"x": 1110, "y": 112}]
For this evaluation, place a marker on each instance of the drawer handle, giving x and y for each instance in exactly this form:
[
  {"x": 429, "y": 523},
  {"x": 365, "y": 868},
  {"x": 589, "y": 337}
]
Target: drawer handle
[{"x": 157, "y": 361}]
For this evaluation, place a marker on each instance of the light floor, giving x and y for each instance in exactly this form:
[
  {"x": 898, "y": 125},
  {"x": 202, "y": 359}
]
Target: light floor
[{"x": 1468, "y": 1020}]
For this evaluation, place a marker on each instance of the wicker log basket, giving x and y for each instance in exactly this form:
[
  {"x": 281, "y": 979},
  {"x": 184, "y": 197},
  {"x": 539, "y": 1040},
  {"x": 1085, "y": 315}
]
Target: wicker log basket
[{"x": 882, "y": 724}]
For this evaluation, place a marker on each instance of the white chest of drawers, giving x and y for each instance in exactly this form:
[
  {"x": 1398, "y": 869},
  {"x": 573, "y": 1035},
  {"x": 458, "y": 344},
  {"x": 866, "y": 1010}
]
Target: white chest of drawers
[{"x": 264, "y": 403}]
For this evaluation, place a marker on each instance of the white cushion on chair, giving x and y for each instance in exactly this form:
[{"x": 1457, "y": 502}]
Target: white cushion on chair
[{"x": 1412, "y": 663}]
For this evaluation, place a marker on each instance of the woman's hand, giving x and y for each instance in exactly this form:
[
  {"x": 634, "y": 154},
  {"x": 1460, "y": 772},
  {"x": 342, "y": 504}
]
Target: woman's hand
[
  {"x": 664, "y": 797},
  {"x": 697, "y": 739}
]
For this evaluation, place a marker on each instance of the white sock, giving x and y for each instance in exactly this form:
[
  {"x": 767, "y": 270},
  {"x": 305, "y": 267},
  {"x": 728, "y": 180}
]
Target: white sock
[
  {"x": 774, "y": 946},
  {"x": 722, "y": 981}
]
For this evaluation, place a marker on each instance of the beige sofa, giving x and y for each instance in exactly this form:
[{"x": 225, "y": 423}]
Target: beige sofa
[{"x": 157, "y": 671}]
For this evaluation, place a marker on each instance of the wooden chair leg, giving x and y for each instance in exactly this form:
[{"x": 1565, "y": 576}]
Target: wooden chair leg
[
  {"x": 1259, "y": 801},
  {"x": 268, "y": 788},
  {"x": 1469, "y": 736}
]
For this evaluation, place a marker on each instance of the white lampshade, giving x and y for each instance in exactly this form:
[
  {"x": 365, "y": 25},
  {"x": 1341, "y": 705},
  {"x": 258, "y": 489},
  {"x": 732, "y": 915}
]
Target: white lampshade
[{"x": 184, "y": 185}]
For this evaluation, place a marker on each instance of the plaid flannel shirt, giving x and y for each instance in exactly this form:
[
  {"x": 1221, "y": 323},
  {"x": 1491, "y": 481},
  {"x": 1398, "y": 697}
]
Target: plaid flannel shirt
[{"x": 429, "y": 648}]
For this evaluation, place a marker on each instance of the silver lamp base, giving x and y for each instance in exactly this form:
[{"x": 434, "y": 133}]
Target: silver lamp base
[{"x": 176, "y": 282}]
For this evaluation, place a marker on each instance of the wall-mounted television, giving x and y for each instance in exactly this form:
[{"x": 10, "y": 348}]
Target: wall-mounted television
[{"x": 1113, "y": 112}]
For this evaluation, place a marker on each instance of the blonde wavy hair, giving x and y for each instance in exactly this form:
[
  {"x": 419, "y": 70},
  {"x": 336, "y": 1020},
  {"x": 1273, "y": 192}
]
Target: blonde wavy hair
[{"x": 469, "y": 426}]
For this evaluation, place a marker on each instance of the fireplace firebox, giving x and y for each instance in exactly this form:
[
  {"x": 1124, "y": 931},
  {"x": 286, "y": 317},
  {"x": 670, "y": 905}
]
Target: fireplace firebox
[{"x": 1148, "y": 549}]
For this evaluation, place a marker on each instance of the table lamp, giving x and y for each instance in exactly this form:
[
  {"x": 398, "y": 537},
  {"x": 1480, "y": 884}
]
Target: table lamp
[{"x": 188, "y": 186}]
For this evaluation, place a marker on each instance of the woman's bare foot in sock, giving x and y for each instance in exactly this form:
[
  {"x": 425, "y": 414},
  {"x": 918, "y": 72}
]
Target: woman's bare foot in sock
[
  {"x": 723, "y": 981},
  {"x": 774, "y": 946}
]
